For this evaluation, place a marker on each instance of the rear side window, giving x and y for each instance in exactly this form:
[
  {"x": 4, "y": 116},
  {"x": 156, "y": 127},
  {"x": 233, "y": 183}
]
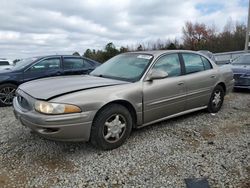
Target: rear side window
[
  {"x": 87, "y": 64},
  {"x": 206, "y": 63},
  {"x": 74, "y": 63},
  {"x": 193, "y": 63},
  {"x": 90, "y": 63},
  {"x": 170, "y": 64},
  {"x": 2, "y": 63}
]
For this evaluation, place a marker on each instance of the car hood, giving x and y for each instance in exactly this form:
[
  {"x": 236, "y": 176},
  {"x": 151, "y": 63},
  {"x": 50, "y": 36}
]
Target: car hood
[
  {"x": 5, "y": 69},
  {"x": 241, "y": 69},
  {"x": 48, "y": 88}
]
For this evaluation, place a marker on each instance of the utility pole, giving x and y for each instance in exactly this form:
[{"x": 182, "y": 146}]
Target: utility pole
[{"x": 248, "y": 29}]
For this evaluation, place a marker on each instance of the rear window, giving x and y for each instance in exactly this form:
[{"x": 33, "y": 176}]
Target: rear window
[
  {"x": 207, "y": 64},
  {"x": 75, "y": 63},
  {"x": 3, "y": 63},
  {"x": 193, "y": 63}
]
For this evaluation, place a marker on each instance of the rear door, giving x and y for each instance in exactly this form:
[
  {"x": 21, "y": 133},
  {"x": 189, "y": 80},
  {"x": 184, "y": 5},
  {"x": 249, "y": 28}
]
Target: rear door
[
  {"x": 200, "y": 79},
  {"x": 75, "y": 66},
  {"x": 164, "y": 97},
  {"x": 44, "y": 68}
]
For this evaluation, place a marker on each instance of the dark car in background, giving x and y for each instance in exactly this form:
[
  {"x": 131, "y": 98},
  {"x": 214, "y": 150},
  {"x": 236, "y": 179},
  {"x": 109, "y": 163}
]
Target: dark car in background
[
  {"x": 5, "y": 63},
  {"x": 40, "y": 67},
  {"x": 241, "y": 71}
]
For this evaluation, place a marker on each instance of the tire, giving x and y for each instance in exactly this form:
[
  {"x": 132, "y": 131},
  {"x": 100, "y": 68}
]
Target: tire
[
  {"x": 216, "y": 100},
  {"x": 111, "y": 127},
  {"x": 7, "y": 93}
]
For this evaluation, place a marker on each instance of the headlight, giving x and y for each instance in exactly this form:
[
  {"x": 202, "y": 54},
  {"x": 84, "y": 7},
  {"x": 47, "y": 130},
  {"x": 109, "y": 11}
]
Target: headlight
[
  {"x": 247, "y": 75},
  {"x": 55, "y": 108}
]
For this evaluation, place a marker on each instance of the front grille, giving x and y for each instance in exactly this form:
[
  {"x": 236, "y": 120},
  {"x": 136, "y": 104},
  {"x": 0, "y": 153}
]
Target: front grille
[
  {"x": 237, "y": 76},
  {"x": 24, "y": 100},
  {"x": 241, "y": 80}
]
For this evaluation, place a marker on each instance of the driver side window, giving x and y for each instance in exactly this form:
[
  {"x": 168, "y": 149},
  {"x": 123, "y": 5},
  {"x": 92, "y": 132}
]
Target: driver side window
[
  {"x": 47, "y": 64},
  {"x": 170, "y": 64}
]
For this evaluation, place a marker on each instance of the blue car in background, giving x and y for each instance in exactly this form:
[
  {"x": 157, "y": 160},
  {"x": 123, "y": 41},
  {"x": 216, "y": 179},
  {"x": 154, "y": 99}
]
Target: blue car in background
[
  {"x": 40, "y": 67},
  {"x": 241, "y": 71}
]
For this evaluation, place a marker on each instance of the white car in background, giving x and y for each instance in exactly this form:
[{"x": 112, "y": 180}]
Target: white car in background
[{"x": 5, "y": 64}]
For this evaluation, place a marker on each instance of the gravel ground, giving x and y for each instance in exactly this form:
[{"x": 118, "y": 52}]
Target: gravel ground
[{"x": 197, "y": 145}]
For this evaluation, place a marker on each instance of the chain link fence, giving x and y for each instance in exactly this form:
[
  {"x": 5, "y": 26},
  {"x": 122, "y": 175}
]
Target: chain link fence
[{"x": 227, "y": 57}]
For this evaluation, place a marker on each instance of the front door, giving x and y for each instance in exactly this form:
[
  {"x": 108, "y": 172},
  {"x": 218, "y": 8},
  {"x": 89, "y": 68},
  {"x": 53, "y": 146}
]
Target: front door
[
  {"x": 44, "y": 68},
  {"x": 164, "y": 97}
]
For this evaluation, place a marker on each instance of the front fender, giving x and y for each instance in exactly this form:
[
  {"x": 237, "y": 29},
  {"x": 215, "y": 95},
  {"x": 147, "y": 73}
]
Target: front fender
[{"x": 95, "y": 99}]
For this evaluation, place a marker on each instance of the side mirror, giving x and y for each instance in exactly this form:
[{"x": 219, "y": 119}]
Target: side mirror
[{"x": 156, "y": 75}]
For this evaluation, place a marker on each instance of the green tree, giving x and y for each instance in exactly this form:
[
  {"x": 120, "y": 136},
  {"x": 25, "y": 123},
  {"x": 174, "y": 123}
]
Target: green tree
[
  {"x": 171, "y": 46},
  {"x": 76, "y": 54},
  {"x": 139, "y": 48},
  {"x": 88, "y": 53},
  {"x": 123, "y": 49},
  {"x": 110, "y": 51}
]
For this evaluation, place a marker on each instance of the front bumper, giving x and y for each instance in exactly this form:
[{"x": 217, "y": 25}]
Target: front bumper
[
  {"x": 241, "y": 87},
  {"x": 241, "y": 81},
  {"x": 68, "y": 127}
]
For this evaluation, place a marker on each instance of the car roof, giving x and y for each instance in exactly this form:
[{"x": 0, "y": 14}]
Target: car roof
[
  {"x": 157, "y": 53},
  {"x": 4, "y": 60},
  {"x": 58, "y": 55},
  {"x": 9, "y": 61},
  {"x": 51, "y": 56}
]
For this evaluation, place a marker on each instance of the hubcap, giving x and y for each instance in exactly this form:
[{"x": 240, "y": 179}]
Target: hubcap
[
  {"x": 6, "y": 95},
  {"x": 217, "y": 98},
  {"x": 114, "y": 128}
]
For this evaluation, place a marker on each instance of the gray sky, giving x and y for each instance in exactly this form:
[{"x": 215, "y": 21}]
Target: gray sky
[{"x": 41, "y": 27}]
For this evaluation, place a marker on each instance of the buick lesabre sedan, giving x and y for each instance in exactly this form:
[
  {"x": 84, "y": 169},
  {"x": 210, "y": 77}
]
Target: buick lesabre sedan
[{"x": 129, "y": 91}]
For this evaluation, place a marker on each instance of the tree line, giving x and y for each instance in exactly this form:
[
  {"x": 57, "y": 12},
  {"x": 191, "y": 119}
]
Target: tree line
[{"x": 195, "y": 36}]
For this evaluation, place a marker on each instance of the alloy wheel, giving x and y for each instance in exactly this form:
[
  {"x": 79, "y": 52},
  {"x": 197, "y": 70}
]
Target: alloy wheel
[
  {"x": 6, "y": 95},
  {"x": 114, "y": 128},
  {"x": 217, "y": 98}
]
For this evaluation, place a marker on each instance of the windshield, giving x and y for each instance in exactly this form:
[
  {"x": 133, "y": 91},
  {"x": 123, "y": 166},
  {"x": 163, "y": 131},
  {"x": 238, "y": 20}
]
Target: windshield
[
  {"x": 128, "y": 67},
  {"x": 24, "y": 62},
  {"x": 242, "y": 60}
]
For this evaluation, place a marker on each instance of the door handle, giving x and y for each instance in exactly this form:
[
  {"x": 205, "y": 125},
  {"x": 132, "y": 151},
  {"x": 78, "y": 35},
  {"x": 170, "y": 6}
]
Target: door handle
[
  {"x": 212, "y": 76},
  {"x": 180, "y": 83},
  {"x": 58, "y": 73}
]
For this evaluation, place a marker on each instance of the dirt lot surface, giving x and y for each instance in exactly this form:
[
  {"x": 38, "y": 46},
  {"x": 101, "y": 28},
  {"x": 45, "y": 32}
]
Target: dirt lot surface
[{"x": 214, "y": 146}]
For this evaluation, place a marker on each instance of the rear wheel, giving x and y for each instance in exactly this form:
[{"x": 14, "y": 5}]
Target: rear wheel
[
  {"x": 216, "y": 99},
  {"x": 111, "y": 127},
  {"x": 7, "y": 93}
]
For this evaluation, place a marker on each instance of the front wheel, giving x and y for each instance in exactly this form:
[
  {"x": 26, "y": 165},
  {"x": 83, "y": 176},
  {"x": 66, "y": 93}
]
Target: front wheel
[
  {"x": 111, "y": 127},
  {"x": 7, "y": 93},
  {"x": 216, "y": 99}
]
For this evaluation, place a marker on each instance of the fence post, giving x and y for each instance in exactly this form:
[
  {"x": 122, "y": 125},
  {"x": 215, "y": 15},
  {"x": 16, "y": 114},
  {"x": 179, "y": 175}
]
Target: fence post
[{"x": 248, "y": 29}]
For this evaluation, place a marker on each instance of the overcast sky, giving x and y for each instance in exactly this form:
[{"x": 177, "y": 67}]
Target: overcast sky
[{"x": 41, "y": 27}]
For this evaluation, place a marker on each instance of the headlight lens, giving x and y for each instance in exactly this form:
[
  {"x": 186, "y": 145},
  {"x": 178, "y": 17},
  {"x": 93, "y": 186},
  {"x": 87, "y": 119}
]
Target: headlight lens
[
  {"x": 247, "y": 75},
  {"x": 55, "y": 108}
]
